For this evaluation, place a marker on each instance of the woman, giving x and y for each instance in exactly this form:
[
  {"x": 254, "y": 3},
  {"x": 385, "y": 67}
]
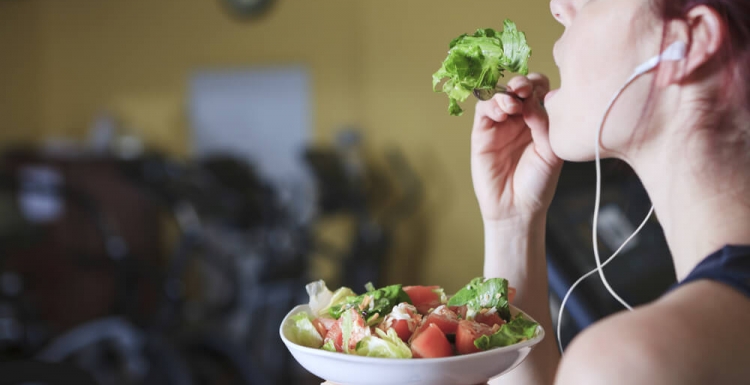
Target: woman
[{"x": 685, "y": 129}]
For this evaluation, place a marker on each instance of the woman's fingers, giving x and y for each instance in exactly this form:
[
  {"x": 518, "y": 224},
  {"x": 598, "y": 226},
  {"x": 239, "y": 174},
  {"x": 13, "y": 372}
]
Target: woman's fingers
[
  {"x": 486, "y": 114},
  {"x": 525, "y": 86},
  {"x": 502, "y": 105},
  {"x": 541, "y": 83},
  {"x": 514, "y": 114},
  {"x": 491, "y": 140},
  {"x": 496, "y": 110},
  {"x": 508, "y": 104},
  {"x": 521, "y": 86}
]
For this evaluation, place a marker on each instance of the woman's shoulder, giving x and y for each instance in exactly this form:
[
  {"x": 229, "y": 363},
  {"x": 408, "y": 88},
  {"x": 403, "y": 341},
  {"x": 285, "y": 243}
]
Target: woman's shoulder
[{"x": 696, "y": 334}]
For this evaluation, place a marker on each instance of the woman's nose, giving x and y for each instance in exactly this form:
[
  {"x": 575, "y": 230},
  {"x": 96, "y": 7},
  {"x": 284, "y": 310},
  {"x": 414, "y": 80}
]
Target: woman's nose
[{"x": 563, "y": 11}]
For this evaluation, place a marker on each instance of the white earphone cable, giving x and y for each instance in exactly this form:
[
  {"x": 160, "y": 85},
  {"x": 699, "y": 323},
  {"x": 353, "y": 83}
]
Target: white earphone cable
[
  {"x": 594, "y": 226},
  {"x": 573, "y": 286},
  {"x": 599, "y": 264}
]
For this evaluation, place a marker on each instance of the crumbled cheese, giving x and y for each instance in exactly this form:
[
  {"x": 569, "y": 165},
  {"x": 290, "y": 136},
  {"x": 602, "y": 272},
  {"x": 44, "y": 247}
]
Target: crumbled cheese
[
  {"x": 403, "y": 311},
  {"x": 406, "y": 312}
]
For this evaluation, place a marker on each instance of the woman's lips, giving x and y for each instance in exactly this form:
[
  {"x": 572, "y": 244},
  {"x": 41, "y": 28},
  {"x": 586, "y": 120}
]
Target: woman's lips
[{"x": 550, "y": 95}]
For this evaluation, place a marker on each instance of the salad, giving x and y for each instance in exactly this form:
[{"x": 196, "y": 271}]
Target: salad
[
  {"x": 477, "y": 62},
  {"x": 411, "y": 321}
]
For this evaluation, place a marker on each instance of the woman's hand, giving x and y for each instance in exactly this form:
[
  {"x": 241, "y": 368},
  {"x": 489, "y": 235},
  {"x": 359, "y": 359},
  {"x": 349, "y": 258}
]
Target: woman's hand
[
  {"x": 512, "y": 164},
  {"x": 515, "y": 174}
]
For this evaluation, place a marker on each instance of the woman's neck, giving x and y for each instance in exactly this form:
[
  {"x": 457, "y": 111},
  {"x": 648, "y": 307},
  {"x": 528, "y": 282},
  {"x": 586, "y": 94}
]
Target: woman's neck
[{"x": 701, "y": 205}]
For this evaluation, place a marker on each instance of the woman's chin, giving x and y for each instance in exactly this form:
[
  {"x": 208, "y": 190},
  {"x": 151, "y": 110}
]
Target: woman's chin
[{"x": 567, "y": 149}]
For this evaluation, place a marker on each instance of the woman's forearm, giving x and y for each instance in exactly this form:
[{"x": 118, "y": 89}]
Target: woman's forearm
[{"x": 516, "y": 250}]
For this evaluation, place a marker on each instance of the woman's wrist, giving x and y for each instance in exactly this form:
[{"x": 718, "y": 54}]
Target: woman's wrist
[
  {"x": 514, "y": 247},
  {"x": 515, "y": 250}
]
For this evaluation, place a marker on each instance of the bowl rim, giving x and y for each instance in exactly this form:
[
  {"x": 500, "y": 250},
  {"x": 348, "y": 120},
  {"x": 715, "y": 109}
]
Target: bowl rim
[{"x": 530, "y": 343}]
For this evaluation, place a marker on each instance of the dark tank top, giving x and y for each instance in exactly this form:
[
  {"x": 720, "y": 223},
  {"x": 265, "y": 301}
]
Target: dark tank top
[{"x": 730, "y": 265}]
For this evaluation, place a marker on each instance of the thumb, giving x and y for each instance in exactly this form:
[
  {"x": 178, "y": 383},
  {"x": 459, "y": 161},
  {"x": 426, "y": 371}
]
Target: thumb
[{"x": 535, "y": 116}]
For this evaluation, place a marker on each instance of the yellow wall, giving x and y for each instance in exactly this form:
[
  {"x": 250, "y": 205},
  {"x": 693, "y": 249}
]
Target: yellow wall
[
  {"x": 130, "y": 55},
  {"x": 19, "y": 71},
  {"x": 371, "y": 64}
]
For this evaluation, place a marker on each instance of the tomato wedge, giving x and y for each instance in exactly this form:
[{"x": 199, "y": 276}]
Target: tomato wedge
[
  {"x": 402, "y": 329},
  {"x": 489, "y": 319},
  {"x": 441, "y": 317},
  {"x": 468, "y": 331},
  {"x": 334, "y": 334},
  {"x": 423, "y": 298},
  {"x": 431, "y": 343}
]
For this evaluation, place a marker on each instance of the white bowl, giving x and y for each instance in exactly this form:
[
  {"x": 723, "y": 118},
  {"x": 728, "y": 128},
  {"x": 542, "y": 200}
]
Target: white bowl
[{"x": 471, "y": 369}]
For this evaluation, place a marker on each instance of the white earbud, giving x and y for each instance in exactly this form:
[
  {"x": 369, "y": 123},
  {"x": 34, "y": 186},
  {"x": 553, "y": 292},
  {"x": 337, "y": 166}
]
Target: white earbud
[{"x": 676, "y": 51}]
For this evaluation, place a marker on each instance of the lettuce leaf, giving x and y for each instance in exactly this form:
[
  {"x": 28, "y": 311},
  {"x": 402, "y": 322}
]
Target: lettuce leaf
[
  {"x": 304, "y": 332},
  {"x": 379, "y": 301},
  {"x": 515, "y": 331},
  {"x": 481, "y": 294},
  {"x": 478, "y": 61},
  {"x": 347, "y": 325},
  {"x": 516, "y": 51},
  {"x": 329, "y": 346},
  {"x": 322, "y": 299},
  {"x": 319, "y": 295},
  {"x": 385, "y": 345}
]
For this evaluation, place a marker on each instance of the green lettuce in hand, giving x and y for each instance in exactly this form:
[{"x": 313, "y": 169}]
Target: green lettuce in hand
[
  {"x": 304, "y": 332},
  {"x": 515, "y": 331},
  {"x": 478, "y": 61},
  {"x": 385, "y": 345}
]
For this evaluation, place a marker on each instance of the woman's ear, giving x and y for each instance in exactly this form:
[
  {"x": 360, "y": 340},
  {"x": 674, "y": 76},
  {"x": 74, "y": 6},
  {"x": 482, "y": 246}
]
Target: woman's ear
[{"x": 705, "y": 31}]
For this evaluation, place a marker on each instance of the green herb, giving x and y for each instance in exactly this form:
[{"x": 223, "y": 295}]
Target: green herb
[{"x": 478, "y": 61}]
